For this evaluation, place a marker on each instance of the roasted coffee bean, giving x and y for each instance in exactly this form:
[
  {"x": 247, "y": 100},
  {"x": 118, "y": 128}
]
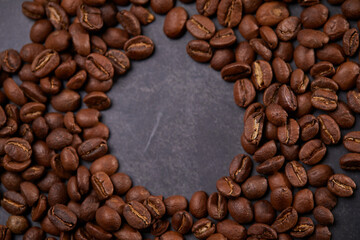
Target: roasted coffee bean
[
  {"x": 282, "y": 70},
  {"x": 244, "y": 92},
  {"x": 260, "y": 230},
  {"x": 182, "y": 222},
  {"x": 45, "y": 62},
  {"x": 90, "y": 17},
  {"x": 57, "y": 16},
  {"x": 200, "y": 27},
  {"x": 321, "y": 232},
  {"x": 108, "y": 219},
  {"x": 13, "y": 203},
  {"x": 241, "y": 210},
  {"x": 303, "y": 201},
  {"x": 284, "y": 51},
  {"x": 97, "y": 232},
  {"x": 59, "y": 41},
  {"x": 73, "y": 190},
  {"x": 288, "y": 134},
  {"x": 314, "y": 16},
  {"x": 174, "y": 23},
  {"x": 231, "y": 229},
  {"x": 50, "y": 85},
  {"x": 261, "y": 74},
  {"x": 129, "y": 22},
  {"x": 119, "y": 60},
  {"x": 229, "y": 13},
  {"x": 49, "y": 227},
  {"x": 264, "y": 212},
  {"x": 156, "y": 206},
  {"x": 13, "y": 92},
  {"x": 350, "y": 161},
  {"x": 235, "y": 71},
  {"x": 203, "y": 228},
  {"x": 254, "y": 127},
  {"x": 296, "y": 174},
  {"x": 13, "y": 166},
  {"x": 228, "y": 188},
  {"x": 336, "y": 26},
  {"x": 30, "y": 192},
  {"x": 102, "y": 185},
  {"x": 137, "y": 215},
  {"x": 351, "y": 141},
  {"x": 59, "y": 138},
  {"x": 331, "y": 52},
  {"x": 115, "y": 37},
  {"x": 271, "y": 165},
  {"x": 99, "y": 67},
  {"x": 161, "y": 6},
  {"x": 88, "y": 208},
  {"x": 62, "y": 217},
  {"x": 108, "y": 164},
  {"x": 312, "y": 152},
  {"x": 260, "y": 47},
  {"x": 309, "y": 127},
  {"x": 39, "y": 31},
  {"x": 57, "y": 194},
  {"x": 18, "y": 149},
  {"x": 240, "y": 168},
  {"x": 197, "y": 204},
  {"x": 346, "y": 75},
  {"x": 39, "y": 209},
  {"x": 323, "y": 215},
  {"x": 31, "y": 111},
  {"x": 94, "y": 85},
  {"x": 244, "y": 53},
  {"x": 353, "y": 100},
  {"x": 87, "y": 117},
  {"x": 271, "y": 13},
  {"x": 80, "y": 39},
  {"x": 17, "y": 224},
  {"x": 138, "y": 193},
  {"x": 97, "y": 100},
  {"x": 33, "y": 91},
  {"x": 139, "y": 47},
  {"x": 10, "y": 60},
  {"x": 287, "y": 98},
  {"x": 54, "y": 120},
  {"x": 290, "y": 152},
  {"x": 48, "y": 180},
  {"x": 323, "y": 197},
  {"x": 254, "y": 187},
  {"x": 26, "y": 75},
  {"x": 122, "y": 183},
  {"x": 33, "y": 10},
  {"x": 117, "y": 203},
  {"x": 350, "y": 9},
  {"x": 350, "y": 42},
  {"x": 254, "y": 107},
  {"x": 207, "y": 8},
  {"x": 223, "y": 38},
  {"x": 92, "y": 149},
  {"x": 175, "y": 203},
  {"x": 312, "y": 38},
  {"x": 249, "y": 27},
  {"x": 271, "y": 94},
  {"x": 199, "y": 50},
  {"x": 341, "y": 185},
  {"x": 159, "y": 227},
  {"x": 221, "y": 58},
  {"x": 281, "y": 198},
  {"x": 142, "y": 14},
  {"x": 304, "y": 104},
  {"x": 276, "y": 114},
  {"x": 11, "y": 181},
  {"x": 217, "y": 206},
  {"x": 286, "y": 220},
  {"x": 266, "y": 151},
  {"x": 329, "y": 130},
  {"x": 304, "y": 228},
  {"x": 33, "y": 233},
  {"x": 304, "y": 57},
  {"x": 343, "y": 115}
]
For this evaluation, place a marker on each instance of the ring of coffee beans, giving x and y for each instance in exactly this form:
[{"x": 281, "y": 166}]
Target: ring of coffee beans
[{"x": 77, "y": 46}]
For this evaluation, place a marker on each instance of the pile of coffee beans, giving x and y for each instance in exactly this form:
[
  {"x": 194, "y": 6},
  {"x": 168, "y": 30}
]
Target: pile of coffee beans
[{"x": 77, "y": 46}]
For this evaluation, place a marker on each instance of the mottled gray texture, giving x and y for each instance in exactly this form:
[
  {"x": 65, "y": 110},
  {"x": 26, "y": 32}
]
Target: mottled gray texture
[{"x": 174, "y": 125}]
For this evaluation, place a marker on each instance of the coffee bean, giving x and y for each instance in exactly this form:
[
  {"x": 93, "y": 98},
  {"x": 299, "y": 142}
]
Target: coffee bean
[
  {"x": 144, "y": 16},
  {"x": 244, "y": 53},
  {"x": 197, "y": 204},
  {"x": 33, "y": 10},
  {"x": 13, "y": 92},
  {"x": 10, "y": 60},
  {"x": 57, "y": 16},
  {"x": 287, "y": 98},
  {"x": 303, "y": 201},
  {"x": 261, "y": 48},
  {"x": 323, "y": 197},
  {"x": 350, "y": 161},
  {"x": 270, "y": 14},
  {"x": 261, "y": 230},
  {"x": 30, "y": 192},
  {"x": 312, "y": 152},
  {"x": 223, "y": 38},
  {"x": 161, "y": 6},
  {"x": 32, "y": 233},
  {"x": 253, "y": 128},
  {"x": 92, "y": 149},
  {"x": 288, "y": 134},
  {"x": 221, "y": 58},
  {"x": 31, "y": 111},
  {"x": 314, "y": 16},
  {"x": 312, "y": 38},
  {"x": 323, "y": 215},
  {"x": 228, "y": 188},
  {"x": 346, "y": 75},
  {"x": 200, "y": 27},
  {"x": 244, "y": 92},
  {"x": 341, "y": 185},
  {"x": 266, "y": 151},
  {"x": 241, "y": 210},
  {"x": 249, "y": 27},
  {"x": 17, "y": 224},
  {"x": 351, "y": 42},
  {"x": 156, "y": 206},
  {"x": 102, "y": 185},
  {"x": 139, "y": 47},
  {"x": 261, "y": 74},
  {"x": 304, "y": 228},
  {"x": 331, "y": 52},
  {"x": 59, "y": 138},
  {"x": 264, "y": 212},
  {"x": 203, "y": 228},
  {"x": 182, "y": 222},
  {"x": 159, "y": 227},
  {"x": 336, "y": 26},
  {"x": 304, "y": 57},
  {"x": 343, "y": 115},
  {"x": 217, "y": 206},
  {"x": 97, "y": 232},
  {"x": 18, "y": 149},
  {"x": 140, "y": 194},
  {"x": 129, "y": 22},
  {"x": 289, "y": 152},
  {"x": 62, "y": 217},
  {"x": 284, "y": 51},
  {"x": 207, "y": 8},
  {"x": 254, "y": 107},
  {"x": 137, "y": 215},
  {"x": 240, "y": 168},
  {"x": 174, "y": 23},
  {"x": 231, "y": 229},
  {"x": 229, "y": 13},
  {"x": 90, "y": 17},
  {"x": 199, "y": 50},
  {"x": 296, "y": 174},
  {"x": 99, "y": 67},
  {"x": 108, "y": 219},
  {"x": 254, "y": 187},
  {"x": 271, "y": 94},
  {"x": 13, "y": 203},
  {"x": 281, "y": 198},
  {"x": 235, "y": 71},
  {"x": 353, "y": 100},
  {"x": 329, "y": 130},
  {"x": 88, "y": 208},
  {"x": 286, "y": 220}
]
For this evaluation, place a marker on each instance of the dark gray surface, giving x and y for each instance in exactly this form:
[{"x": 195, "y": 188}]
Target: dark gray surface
[{"x": 174, "y": 125}]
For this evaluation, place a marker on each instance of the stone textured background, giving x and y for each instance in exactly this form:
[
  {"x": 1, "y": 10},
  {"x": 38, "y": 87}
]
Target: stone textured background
[{"x": 174, "y": 124}]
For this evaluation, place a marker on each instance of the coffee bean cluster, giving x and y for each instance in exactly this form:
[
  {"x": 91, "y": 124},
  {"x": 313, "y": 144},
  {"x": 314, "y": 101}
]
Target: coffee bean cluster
[{"x": 76, "y": 45}]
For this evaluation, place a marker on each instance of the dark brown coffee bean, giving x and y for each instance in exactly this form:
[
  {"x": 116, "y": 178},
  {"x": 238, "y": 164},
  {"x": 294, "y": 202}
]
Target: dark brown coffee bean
[
  {"x": 29, "y": 51},
  {"x": 57, "y": 194},
  {"x": 264, "y": 212},
  {"x": 87, "y": 117},
  {"x": 88, "y": 208},
  {"x": 241, "y": 210},
  {"x": 217, "y": 206},
  {"x": 17, "y": 224},
  {"x": 199, "y": 50},
  {"x": 296, "y": 174},
  {"x": 303, "y": 201},
  {"x": 235, "y": 71},
  {"x": 94, "y": 85},
  {"x": 92, "y": 149},
  {"x": 240, "y": 168},
  {"x": 57, "y": 16},
  {"x": 142, "y": 14},
  {"x": 289, "y": 152},
  {"x": 304, "y": 57},
  {"x": 351, "y": 42},
  {"x": 203, "y": 228},
  {"x": 207, "y": 8},
  {"x": 80, "y": 39},
  {"x": 115, "y": 37},
  {"x": 343, "y": 115},
  {"x": 253, "y": 128},
  {"x": 119, "y": 60},
  {"x": 254, "y": 187},
  {"x": 229, "y": 13},
  {"x": 353, "y": 99},
  {"x": 323, "y": 215},
  {"x": 18, "y": 149},
  {"x": 138, "y": 193},
  {"x": 159, "y": 227},
  {"x": 62, "y": 217},
  {"x": 304, "y": 228},
  {"x": 322, "y": 69},
  {"x": 13, "y": 92},
  {"x": 269, "y": 36},
  {"x": 228, "y": 188},
  {"x": 266, "y": 151},
  {"x": 128, "y": 232},
  {"x": 350, "y": 161},
  {"x": 282, "y": 70},
  {"x": 323, "y": 197},
  {"x": 50, "y": 85},
  {"x": 174, "y": 23},
  {"x": 231, "y": 229},
  {"x": 252, "y": 108},
  {"x": 90, "y": 17},
  {"x": 249, "y": 27},
  {"x": 276, "y": 114},
  {"x": 329, "y": 130},
  {"x": 312, "y": 152},
  {"x": 260, "y": 230},
  {"x": 137, "y": 215},
  {"x": 261, "y": 48},
  {"x": 97, "y": 232},
  {"x": 341, "y": 185},
  {"x": 129, "y": 22},
  {"x": 336, "y": 26},
  {"x": 58, "y": 40},
  {"x": 155, "y": 205},
  {"x": 244, "y": 53},
  {"x": 182, "y": 222},
  {"x": 33, "y": 233},
  {"x": 287, "y": 98},
  {"x": 10, "y": 60},
  {"x": 314, "y": 16},
  {"x": 288, "y": 134},
  {"x": 108, "y": 164},
  {"x": 45, "y": 62},
  {"x": 248, "y": 146},
  {"x": 324, "y": 100},
  {"x": 175, "y": 203},
  {"x": 30, "y": 192},
  {"x": 200, "y": 27},
  {"x": 221, "y": 58},
  {"x": 13, "y": 203},
  {"x": 281, "y": 198},
  {"x": 331, "y": 52},
  {"x": 261, "y": 74},
  {"x": 244, "y": 92},
  {"x": 197, "y": 204},
  {"x": 139, "y": 47},
  {"x": 99, "y": 67},
  {"x": 108, "y": 219},
  {"x": 33, "y": 10},
  {"x": 286, "y": 220},
  {"x": 284, "y": 51},
  {"x": 31, "y": 111},
  {"x": 40, "y": 30},
  {"x": 271, "y": 13},
  {"x": 271, "y": 94},
  {"x": 59, "y": 138},
  {"x": 102, "y": 185},
  {"x": 299, "y": 81},
  {"x": 39, "y": 209},
  {"x": 312, "y": 38},
  {"x": 223, "y": 38},
  {"x": 33, "y": 92},
  {"x": 161, "y": 6},
  {"x": 351, "y": 141},
  {"x": 346, "y": 75},
  {"x": 11, "y": 181},
  {"x": 97, "y": 100}
]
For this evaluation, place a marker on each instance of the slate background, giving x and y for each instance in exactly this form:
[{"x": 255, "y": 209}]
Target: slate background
[{"x": 174, "y": 124}]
